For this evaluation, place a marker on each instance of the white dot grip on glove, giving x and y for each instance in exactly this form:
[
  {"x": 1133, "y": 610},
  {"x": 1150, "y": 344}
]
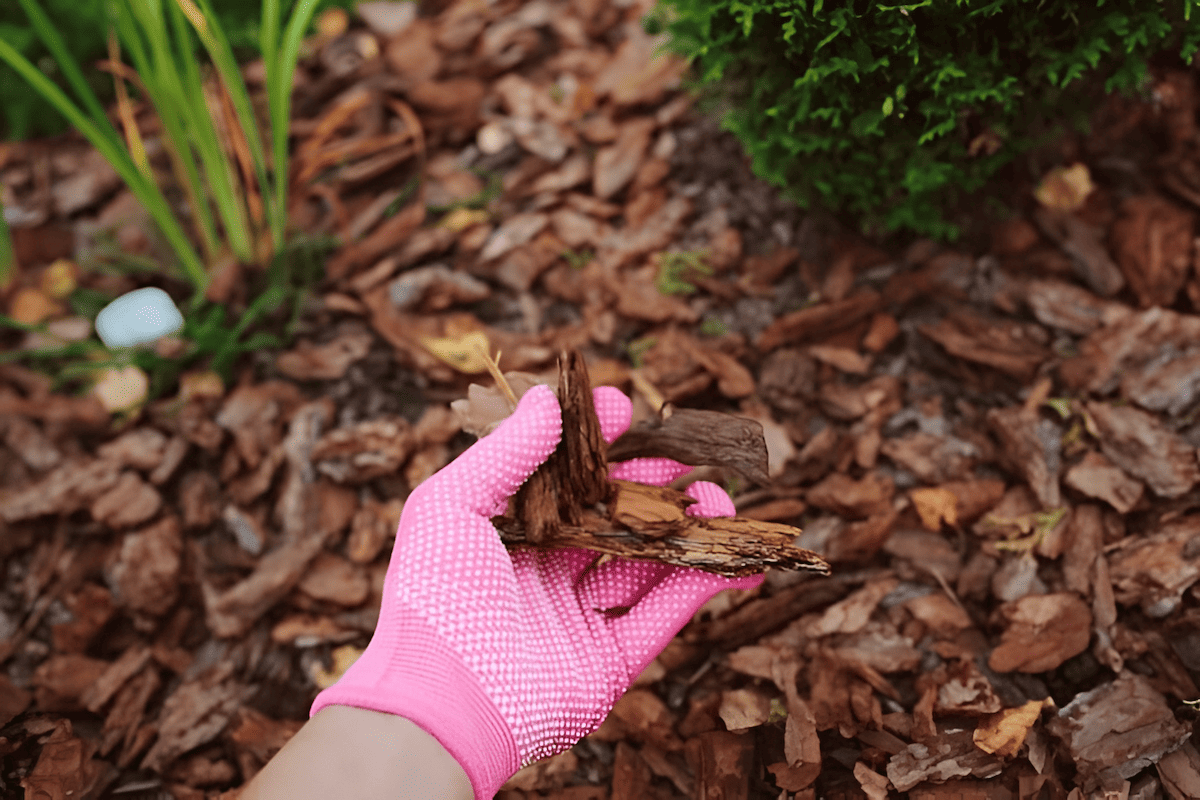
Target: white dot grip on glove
[{"x": 509, "y": 659}]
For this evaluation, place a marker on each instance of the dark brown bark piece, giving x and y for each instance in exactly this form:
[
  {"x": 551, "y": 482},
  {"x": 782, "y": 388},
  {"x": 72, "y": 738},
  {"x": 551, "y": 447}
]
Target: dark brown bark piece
[
  {"x": 575, "y": 476},
  {"x": 556, "y": 506},
  {"x": 698, "y": 438}
]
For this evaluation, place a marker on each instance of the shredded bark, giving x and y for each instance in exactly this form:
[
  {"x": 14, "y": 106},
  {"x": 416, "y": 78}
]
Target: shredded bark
[{"x": 554, "y": 508}]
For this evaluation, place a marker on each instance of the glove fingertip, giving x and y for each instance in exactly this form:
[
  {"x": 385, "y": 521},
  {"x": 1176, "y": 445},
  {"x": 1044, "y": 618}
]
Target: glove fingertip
[
  {"x": 614, "y": 409},
  {"x": 711, "y": 500}
]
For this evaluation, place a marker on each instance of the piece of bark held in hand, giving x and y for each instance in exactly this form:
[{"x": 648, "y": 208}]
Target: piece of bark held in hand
[
  {"x": 560, "y": 505},
  {"x": 575, "y": 476},
  {"x": 730, "y": 546},
  {"x": 698, "y": 438}
]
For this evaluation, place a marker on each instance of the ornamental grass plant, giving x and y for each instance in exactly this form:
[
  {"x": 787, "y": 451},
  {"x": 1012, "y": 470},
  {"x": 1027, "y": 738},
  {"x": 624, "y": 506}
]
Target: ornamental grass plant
[{"x": 230, "y": 168}]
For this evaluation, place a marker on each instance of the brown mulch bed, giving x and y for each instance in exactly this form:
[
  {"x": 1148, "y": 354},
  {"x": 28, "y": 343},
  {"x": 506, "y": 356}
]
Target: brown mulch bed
[{"x": 994, "y": 447}]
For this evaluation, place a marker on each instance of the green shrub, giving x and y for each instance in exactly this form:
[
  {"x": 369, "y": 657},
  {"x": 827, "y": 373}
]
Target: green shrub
[{"x": 886, "y": 111}]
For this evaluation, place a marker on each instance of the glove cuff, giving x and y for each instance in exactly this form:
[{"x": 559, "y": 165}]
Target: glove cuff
[{"x": 408, "y": 670}]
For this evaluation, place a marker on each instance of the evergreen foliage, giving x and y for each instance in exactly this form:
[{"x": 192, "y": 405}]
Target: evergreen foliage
[{"x": 895, "y": 113}]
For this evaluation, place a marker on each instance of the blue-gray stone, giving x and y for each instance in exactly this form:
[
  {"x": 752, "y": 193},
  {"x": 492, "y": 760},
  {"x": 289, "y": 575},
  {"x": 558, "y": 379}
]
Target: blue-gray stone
[{"x": 139, "y": 317}]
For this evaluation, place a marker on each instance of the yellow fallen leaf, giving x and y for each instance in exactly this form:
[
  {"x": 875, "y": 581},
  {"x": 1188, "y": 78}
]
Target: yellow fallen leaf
[
  {"x": 459, "y": 219},
  {"x": 466, "y": 353},
  {"x": 343, "y": 657},
  {"x": 60, "y": 278},
  {"x": 935, "y": 506},
  {"x": 121, "y": 389},
  {"x": 1065, "y": 188},
  {"x": 32, "y": 306},
  {"x": 200, "y": 384},
  {"x": 1004, "y": 732},
  {"x": 332, "y": 22}
]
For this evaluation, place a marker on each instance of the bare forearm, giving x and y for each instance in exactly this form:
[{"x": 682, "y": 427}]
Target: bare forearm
[{"x": 368, "y": 755}]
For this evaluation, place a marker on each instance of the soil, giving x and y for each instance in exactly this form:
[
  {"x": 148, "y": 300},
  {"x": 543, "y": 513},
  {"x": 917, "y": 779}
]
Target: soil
[{"x": 994, "y": 444}]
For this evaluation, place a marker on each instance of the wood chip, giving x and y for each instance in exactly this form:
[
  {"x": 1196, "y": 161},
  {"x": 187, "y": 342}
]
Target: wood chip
[
  {"x": 364, "y": 451},
  {"x": 144, "y": 575},
  {"x": 1042, "y": 631},
  {"x": 1097, "y": 477},
  {"x": 130, "y": 501},
  {"x": 1142, "y": 446},
  {"x": 949, "y": 755},
  {"x": 1152, "y": 240},
  {"x": 1117, "y": 730},
  {"x": 194, "y": 714}
]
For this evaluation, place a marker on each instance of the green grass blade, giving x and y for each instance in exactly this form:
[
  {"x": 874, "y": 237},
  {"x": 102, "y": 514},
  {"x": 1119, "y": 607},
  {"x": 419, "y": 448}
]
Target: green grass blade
[
  {"x": 268, "y": 36},
  {"x": 268, "y": 41},
  {"x": 204, "y": 22},
  {"x": 279, "y": 93},
  {"x": 66, "y": 61},
  {"x": 8, "y": 259},
  {"x": 138, "y": 19},
  {"x": 106, "y": 140},
  {"x": 219, "y": 169}
]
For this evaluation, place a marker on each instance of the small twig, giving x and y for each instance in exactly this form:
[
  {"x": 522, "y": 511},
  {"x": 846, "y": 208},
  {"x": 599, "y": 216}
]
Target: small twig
[{"x": 493, "y": 368}]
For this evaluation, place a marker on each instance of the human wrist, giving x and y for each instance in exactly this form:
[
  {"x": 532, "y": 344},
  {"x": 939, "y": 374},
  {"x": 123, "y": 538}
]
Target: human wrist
[{"x": 408, "y": 670}]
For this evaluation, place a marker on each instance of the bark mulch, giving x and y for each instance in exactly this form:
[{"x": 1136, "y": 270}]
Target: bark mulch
[{"x": 994, "y": 446}]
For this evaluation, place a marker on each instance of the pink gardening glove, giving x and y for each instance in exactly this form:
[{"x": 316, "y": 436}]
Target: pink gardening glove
[{"x": 507, "y": 660}]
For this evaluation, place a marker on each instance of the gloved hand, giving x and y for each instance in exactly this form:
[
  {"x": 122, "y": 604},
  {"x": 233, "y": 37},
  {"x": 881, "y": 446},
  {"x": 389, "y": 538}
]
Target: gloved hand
[{"x": 507, "y": 660}]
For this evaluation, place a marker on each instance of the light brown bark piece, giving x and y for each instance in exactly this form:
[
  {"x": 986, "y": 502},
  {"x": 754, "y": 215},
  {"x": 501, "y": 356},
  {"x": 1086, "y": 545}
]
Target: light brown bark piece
[
  {"x": 1129, "y": 344},
  {"x": 144, "y": 574},
  {"x": 1042, "y": 632},
  {"x": 1117, "y": 729},
  {"x": 360, "y": 452},
  {"x": 336, "y": 580},
  {"x": 730, "y": 546},
  {"x": 130, "y": 501},
  {"x": 1069, "y": 307},
  {"x": 60, "y": 681},
  {"x": 819, "y": 320},
  {"x": 308, "y": 361},
  {"x": 1142, "y": 446},
  {"x": 744, "y": 708},
  {"x": 1031, "y": 449},
  {"x": 67, "y": 489},
  {"x": 1096, "y": 476},
  {"x": 1010, "y": 347},
  {"x": 948, "y": 755},
  {"x": 195, "y": 714},
  {"x": 616, "y": 164},
  {"x": 1154, "y": 571},
  {"x": 1180, "y": 772},
  {"x": 1084, "y": 243}
]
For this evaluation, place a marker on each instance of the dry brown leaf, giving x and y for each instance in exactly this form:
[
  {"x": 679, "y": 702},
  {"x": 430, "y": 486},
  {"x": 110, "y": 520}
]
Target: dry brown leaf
[
  {"x": 744, "y": 708},
  {"x": 1004, "y": 732},
  {"x": 936, "y": 506},
  {"x": 874, "y": 785},
  {"x": 485, "y": 407}
]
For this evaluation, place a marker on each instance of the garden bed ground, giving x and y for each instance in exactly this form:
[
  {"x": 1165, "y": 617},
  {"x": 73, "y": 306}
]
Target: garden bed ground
[{"x": 994, "y": 445}]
